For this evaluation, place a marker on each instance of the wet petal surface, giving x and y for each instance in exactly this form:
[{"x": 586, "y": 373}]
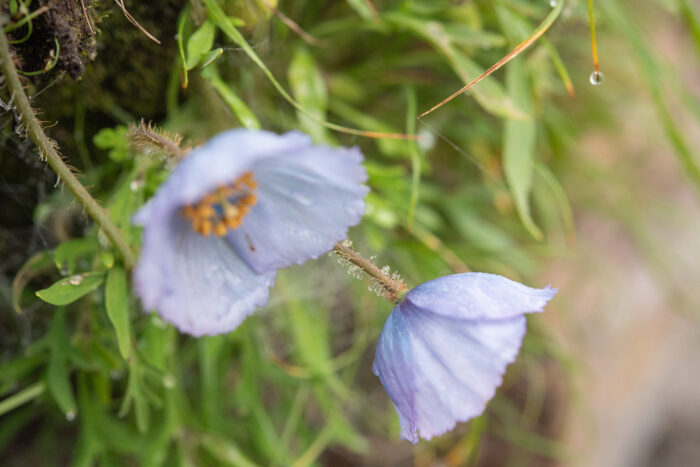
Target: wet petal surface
[
  {"x": 306, "y": 203},
  {"x": 197, "y": 283}
]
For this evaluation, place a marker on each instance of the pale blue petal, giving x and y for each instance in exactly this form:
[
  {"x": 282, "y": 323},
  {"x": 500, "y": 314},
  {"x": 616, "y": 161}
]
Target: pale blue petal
[
  {"x": 197, "y": 283},
  {"x": 476, "y": 295},
  {"x": 394, "y": 366},
  {"x": 444, "y": 348},
  {"x": 307, "y": 200},
  {"x": 439, "y": 371},
  {"x": 220, "y": 161}
]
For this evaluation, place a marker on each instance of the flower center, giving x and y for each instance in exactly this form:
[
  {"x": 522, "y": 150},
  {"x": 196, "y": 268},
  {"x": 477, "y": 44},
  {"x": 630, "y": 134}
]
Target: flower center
[{"x": 223, "y": 208}]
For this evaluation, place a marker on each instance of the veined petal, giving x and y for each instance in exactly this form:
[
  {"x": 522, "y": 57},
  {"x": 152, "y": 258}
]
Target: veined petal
[
  {"x": 476, "y": 295},
  {"x": 307, "y": 200},
  {"x": 219, "y": 162},
  {"x": 439, "y": 371},
  {"x": 197, "y": 283},
  {"x": 444, "y": 348}
]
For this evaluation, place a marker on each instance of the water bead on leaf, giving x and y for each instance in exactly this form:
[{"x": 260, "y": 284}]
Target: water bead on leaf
[
  {"x": 445, "y": 346},
  {"x": 234, "y": 211}
]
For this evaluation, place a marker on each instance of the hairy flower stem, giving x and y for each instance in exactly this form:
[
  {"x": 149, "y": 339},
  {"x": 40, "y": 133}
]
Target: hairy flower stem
[
  {"x": 394, "y": 289},
  {"x": 47, "y": 148}
]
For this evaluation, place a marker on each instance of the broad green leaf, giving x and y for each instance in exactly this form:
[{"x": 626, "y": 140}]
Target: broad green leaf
[
  {"x": 71, "y": 288},
  {"x": 309, "y": 89},
  {"x": 37, "y": 264},
  {"x": 58, "y": 375},
  {"x": 237, "y": 106},
  {"x": 199, "y": 43},
  {"x": 117, "y": 304}
]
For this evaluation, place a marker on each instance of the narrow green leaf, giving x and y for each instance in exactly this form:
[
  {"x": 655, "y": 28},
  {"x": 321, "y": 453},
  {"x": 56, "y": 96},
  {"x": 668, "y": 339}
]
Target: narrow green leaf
[
  {"x": 489, "y": 93},
  {"x": 180, "y": 37},
  {"x": 225, "y": 451},
  {"x": 135, "y": 393},
  {"x": 70, "y": 289},
  {"x": 559, "y": 195},
  {"x": 199, "y": 43},
  {"x": 22, "y": 397},
  {"x": 57, "y": 375},
  {"x": 228, "y": 27},
  {"x": 362, "y": 9},
  {"x": 415, "y": 152},
  {"x": 309, "y": 89},
  {"x": 117, "y": 304},
  {"x": 210, "y": 353},
  {"x": 237, "y": 106},
  {"x": 209, "y": 57},
  {"x": 519, "y": 136},
  {"x": 691, "y": 15}
]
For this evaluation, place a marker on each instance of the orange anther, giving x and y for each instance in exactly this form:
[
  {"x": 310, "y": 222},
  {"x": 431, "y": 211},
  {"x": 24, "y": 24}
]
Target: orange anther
[
  {"x": 224, "y": 207},
  {"x": 205, "y": 228},
  {"x": 220, "y": 229}
]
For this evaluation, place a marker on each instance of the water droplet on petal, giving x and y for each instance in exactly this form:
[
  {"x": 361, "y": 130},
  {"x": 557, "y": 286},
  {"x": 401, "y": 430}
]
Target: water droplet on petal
[
  {"x": 75, "y": 280},
  {"x": 552, "y": 3},
  {"x": 70, "y": 416},
  {"x": 303, "y": 199},
  {"x": 596, "y": 78}
]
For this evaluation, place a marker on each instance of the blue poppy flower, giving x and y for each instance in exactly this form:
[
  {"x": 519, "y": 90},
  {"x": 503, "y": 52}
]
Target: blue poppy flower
[
  {"x": 233, "y": 212},
  {"x": 444, "y": 348}
]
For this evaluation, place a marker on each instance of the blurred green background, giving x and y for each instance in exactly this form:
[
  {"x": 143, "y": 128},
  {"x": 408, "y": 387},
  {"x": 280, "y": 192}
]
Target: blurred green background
[{"x": 596, "y": 194}]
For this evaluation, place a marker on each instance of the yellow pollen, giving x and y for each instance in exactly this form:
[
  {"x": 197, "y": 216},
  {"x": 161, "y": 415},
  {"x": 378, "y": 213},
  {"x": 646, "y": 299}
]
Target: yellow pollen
[{"x": 224, "y": 208}]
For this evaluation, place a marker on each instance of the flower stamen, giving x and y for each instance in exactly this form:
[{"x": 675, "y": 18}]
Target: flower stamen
[{"x": 224, "y": 208}]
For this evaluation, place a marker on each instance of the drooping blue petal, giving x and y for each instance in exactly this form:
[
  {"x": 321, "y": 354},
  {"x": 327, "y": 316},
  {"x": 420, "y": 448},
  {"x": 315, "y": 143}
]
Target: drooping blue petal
[
  {"x": 440, "y": 367},
  {"x": 197, "y": 283},
  {"x": 475, "y": 295},
  {"x": 307, "y": 200}
]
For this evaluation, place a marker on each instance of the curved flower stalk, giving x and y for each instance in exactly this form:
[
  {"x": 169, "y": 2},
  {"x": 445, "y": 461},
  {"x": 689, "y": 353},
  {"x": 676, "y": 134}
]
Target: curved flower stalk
[
  {"x": 233, "y": 212},
  {"x": 445, "y": 346}
]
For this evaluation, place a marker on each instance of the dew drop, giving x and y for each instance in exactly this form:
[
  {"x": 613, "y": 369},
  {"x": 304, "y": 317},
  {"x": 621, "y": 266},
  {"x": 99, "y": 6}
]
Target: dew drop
[
  {"x": 135, "y": 185},
  {"x": 552, "y": 3},
  {"x": 426, "y": 139},
  {"x": 70, "y": 416},
  {"x": 75, "y": 280},
  {"x": 169, "y": 381},
  {"x": 303, "y": 199},
  {"x": 596, "y": 78}
]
